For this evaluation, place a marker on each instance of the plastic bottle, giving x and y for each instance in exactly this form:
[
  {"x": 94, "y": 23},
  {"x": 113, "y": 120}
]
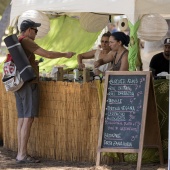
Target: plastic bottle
[
  {"x": 76, "y": 74},
  {"x": 44, "y": 74}
]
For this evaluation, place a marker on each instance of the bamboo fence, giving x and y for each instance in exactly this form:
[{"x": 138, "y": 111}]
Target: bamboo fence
[{"x": 68, "y": 122}]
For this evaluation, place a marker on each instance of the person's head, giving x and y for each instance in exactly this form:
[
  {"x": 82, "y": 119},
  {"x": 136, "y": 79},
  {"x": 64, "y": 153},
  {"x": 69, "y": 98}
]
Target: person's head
[
  {"x": 29, "y": 28},
  {"x": 167, "y": 47},
  {"x": 118, "y": 39},
  {"x": 105, "y": 41},
  {"x": 112, "y": 27}
]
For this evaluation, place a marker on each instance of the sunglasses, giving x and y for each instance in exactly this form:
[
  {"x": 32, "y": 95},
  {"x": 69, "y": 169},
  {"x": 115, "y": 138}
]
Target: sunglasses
[
  {"x": 35, "y": 30},
  {"x": 104, "y": 41}
]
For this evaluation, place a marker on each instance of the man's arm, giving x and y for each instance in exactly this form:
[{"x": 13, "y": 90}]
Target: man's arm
[
  {"x": 153, "y": 71},
  {"x": 152, "y": 65},
  {"x": 52, "y": 54}
]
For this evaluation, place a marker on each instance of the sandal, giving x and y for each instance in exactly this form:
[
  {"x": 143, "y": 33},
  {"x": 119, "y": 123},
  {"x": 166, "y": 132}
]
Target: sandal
[{"x": 28, "y": 159}]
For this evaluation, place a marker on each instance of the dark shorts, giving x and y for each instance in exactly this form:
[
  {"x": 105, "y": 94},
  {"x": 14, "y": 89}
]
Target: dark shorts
[{"x": 27, "y": 100}]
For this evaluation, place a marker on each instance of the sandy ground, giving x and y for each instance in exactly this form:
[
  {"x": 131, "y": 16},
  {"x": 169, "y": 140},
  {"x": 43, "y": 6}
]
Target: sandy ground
[{"x": 7, "y": 162}]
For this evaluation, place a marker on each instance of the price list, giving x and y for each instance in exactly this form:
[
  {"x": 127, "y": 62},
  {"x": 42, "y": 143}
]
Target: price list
[{"x": 123, "y": 111}]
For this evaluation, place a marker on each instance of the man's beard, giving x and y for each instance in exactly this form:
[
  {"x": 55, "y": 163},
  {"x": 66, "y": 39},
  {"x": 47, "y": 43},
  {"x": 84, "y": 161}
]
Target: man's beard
[{"x": 167, "y": 55}]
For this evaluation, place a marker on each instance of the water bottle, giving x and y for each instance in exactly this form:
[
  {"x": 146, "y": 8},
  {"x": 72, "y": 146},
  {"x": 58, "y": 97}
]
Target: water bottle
[
  {"x": 76, "y": 74},
  {"x": 44, "y": 75}
]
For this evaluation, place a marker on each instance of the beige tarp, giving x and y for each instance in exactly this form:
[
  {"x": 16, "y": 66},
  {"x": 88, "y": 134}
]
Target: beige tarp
[{"x": 133, "y": 9}]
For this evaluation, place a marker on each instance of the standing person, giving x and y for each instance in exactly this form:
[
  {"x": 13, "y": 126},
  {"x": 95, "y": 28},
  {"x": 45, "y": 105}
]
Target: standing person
[
  {"x": 97, "y": 54},
  {"x": 119, "y": 54},
  {"x": 160, "y": 62},
  {"x": 118, "y": 57},
  {"x": 27, "y": 97},
  {"x": 112, "y": 27}
]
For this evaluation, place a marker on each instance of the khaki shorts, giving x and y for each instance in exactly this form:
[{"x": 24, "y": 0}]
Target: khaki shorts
[{"x": 27, "y": 100}]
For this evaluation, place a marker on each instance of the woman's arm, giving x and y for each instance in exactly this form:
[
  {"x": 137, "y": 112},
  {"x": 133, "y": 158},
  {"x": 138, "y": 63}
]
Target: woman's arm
[
  {"x": 87, "y": 55},
  {"x": 107, "y": 59}
]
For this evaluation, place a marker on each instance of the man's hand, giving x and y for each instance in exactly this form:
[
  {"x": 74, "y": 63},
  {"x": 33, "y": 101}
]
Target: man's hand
[{"x": 70, "y": 54}]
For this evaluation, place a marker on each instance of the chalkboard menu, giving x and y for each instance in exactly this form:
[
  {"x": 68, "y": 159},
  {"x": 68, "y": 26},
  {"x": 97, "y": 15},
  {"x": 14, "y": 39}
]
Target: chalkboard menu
[
  {"x": 123, "y": 111},
  {"x": 129, "y": 118}
]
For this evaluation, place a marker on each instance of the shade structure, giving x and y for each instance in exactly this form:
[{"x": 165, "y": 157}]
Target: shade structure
[
  {"x": 38, "y": 17},
  {"x": 93, "y": 22}
]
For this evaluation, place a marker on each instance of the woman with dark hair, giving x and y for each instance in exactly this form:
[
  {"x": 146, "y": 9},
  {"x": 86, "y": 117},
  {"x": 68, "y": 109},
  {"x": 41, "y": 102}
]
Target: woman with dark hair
[
  {"x": 119, "y": 54},
  {"x": 97, "y": 54},
  {"x": 119, "y": 59}
]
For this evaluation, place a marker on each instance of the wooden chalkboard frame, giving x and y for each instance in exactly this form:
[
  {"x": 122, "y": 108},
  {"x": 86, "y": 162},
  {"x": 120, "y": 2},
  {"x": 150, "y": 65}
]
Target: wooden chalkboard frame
[{"x": 149, "y": 113}]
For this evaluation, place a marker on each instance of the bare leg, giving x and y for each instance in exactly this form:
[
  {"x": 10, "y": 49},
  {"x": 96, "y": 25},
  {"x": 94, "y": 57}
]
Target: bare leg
[
  {"x": 24, "y": 128},
  {"x": 19, "y": 126}
]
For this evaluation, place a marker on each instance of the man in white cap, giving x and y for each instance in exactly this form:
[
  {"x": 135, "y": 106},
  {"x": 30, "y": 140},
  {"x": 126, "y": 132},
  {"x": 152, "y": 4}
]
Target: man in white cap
[
  {"x": 27, "y": 97},
  {"x": 160, "y": 62}
]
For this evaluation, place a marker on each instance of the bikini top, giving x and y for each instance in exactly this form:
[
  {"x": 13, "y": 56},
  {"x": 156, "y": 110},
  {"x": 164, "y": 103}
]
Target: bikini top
[{"x": 116, "y": 66}]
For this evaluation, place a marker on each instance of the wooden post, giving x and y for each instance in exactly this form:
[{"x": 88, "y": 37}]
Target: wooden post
[
  {"x": 60, "y": 74},
  {"x": 86, "y": 75}
]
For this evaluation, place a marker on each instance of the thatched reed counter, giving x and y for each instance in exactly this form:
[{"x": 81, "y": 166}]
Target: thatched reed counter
[{"x": 68, "y": 123}]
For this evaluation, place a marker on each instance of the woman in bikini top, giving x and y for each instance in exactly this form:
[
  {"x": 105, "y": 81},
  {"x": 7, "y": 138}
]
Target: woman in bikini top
[
  {"x": 119, "y": 54},
  {"x": 96, "y": 55}
]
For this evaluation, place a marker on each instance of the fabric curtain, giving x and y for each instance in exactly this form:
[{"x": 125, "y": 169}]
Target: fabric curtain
[{"x": 66, "y": 35}]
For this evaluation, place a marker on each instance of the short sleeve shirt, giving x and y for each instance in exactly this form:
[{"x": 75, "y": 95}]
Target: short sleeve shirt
[
  {"x": 29, "y": 47},
  {"x": 159, "y": 63}
]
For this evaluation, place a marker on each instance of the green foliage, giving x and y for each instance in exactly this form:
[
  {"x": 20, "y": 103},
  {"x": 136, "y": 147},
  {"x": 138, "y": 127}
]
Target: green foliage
[{"x": 133, "y": 46}]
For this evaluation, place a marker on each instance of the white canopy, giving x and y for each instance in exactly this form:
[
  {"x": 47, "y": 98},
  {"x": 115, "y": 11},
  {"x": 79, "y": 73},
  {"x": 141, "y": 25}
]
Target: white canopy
[{"x": 133, "y": 9}]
